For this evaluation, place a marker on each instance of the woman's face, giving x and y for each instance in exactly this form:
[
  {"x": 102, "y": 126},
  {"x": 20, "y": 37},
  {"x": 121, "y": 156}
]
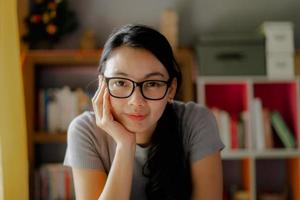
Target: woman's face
[{"x": 136, "y": 113}]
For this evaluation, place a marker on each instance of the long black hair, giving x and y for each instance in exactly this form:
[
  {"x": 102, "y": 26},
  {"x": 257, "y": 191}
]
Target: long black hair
[{"x": 166, "y": 168}]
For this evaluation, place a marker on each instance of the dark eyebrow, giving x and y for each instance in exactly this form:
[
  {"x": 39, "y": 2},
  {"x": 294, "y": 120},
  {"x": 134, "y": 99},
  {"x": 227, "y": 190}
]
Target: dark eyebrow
[{"x": 146, "y": 76}]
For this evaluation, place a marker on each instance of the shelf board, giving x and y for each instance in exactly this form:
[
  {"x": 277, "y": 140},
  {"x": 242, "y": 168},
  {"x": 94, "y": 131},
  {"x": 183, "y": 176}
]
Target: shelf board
[
  {"x": 65, "y": 56},
  {"x": 278, "y": 153},
  {"x": 236, "y": 154},
  {"x": 256, "y": 79},
  {"x": 266, "y": 154},
  {"x": 45, "y": 137}
]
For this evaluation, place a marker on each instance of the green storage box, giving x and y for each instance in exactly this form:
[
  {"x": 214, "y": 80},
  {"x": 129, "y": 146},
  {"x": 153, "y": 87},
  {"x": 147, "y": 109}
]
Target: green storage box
[{"x": 229, "y": 56}]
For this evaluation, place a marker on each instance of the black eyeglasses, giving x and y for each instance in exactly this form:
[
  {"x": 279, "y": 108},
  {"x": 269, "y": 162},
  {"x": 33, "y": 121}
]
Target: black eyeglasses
[{"x": 150, "y": 89}]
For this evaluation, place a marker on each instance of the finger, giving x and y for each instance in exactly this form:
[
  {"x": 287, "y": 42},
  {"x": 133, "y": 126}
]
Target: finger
[
  {"x": 96, "y": 94},
  {"x": 99, "y": 98},
  {"x": 100, "y": 81},
  {"x": 106, "y": 106},
  {"x": 98, "y": 101},
  {"x": 100, "y": 77}
]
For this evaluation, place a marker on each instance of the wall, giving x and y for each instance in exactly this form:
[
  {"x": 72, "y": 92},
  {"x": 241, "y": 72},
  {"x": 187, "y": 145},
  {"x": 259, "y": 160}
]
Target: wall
[
  {"x": 197, "y": 17},
  {"x": 13, "y": 140}
]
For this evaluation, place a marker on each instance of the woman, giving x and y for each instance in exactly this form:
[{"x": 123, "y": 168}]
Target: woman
[{"x": 139, "y": 143}]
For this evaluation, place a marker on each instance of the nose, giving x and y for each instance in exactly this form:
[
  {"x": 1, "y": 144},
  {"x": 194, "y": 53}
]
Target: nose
[{"x": 137, "y": 98}]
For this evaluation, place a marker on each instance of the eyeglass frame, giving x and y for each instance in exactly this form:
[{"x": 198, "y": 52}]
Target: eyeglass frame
[{"x": 138, "y": 84}]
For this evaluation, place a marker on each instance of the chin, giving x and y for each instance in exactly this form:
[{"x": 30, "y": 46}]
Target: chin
[
  {"x": 142, "y": 126},
  {"x": 136, "y": 128}
]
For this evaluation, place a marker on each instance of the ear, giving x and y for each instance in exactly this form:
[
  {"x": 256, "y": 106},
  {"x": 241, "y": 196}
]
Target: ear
[{"x": 172, "y": 89}]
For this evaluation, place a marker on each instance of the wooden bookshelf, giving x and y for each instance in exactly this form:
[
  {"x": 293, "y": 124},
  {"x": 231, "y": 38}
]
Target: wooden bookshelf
[
  {"x": 44, "y": 137},
  {"x": 55, "y": 63}
]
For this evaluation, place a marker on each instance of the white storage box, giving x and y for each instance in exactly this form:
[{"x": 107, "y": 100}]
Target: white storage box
[
  {"x": 280, "y": 65},
  {"x": 279, "y": 36}
]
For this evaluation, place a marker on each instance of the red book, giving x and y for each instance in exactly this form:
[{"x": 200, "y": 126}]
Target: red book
[
  {"x": 234, "y": 133},
  {"x": 67, "y": 185}
]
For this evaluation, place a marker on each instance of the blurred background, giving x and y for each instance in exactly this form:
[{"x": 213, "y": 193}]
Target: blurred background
[
  {"x": 195, "y": 17},
  {"x": 239, "y": 58}
]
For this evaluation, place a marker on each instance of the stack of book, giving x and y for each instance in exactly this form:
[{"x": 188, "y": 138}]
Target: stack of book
[
  {"x": 268, "y": 125},
  {"x": 54, "y": 181},
  {"x": 267, "y": 130},
  {"x": 279, "y": 49},
  {"x": 234, "y": 130},
  {"x": 58, "y": 106}
]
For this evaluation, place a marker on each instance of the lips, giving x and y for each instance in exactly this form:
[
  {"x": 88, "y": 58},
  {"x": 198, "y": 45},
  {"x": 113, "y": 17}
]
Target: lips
[{"x": 136, "y": 117}]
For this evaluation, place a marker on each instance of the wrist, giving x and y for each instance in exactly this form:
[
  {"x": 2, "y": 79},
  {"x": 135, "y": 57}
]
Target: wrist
[
  {"x": 126, "y": 146},
  {"x": 128, "y": 142}
]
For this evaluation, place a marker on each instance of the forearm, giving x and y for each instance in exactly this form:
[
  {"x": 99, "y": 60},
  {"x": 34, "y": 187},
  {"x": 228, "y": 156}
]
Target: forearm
[
  {"x": 207, "y": 178},
  {"x": 119, "y": 180}
]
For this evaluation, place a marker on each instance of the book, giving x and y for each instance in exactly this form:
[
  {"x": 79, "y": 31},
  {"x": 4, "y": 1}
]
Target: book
[
  {"x": 41, "y": 110},
  {"x": 59, "y": 106},
  {"x": 223, "y": 119},
  {"x": 257, "y": 119},
  {"x": 68, "y": 105},
  {"x": 234, "y": 133},
  {"x": 225, "y": 129},
  {"x": 245, "y": 115},
  {"x": 282, "y": 130},
  {"x": 46, "y": 102},
  {"x": 54, "y": 181},
  {"x": 241, "y": 133},
  {"x": 269, "y": 143},
  {"x": 53, "y": 111},
  {"x": 223, "y": 122}
]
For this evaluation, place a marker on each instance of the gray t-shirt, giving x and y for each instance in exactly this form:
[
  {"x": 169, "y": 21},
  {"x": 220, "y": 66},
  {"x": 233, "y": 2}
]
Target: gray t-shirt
[{"x": 90, "y": 147}]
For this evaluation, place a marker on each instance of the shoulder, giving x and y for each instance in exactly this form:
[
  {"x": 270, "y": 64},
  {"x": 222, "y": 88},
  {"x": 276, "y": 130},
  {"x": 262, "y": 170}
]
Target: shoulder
[
  {"x": 88, "y": 146},
  {"x": 85, "y": 120},
  {"x": 192, "y": 112},
  {"x": 199, "y": 129}
]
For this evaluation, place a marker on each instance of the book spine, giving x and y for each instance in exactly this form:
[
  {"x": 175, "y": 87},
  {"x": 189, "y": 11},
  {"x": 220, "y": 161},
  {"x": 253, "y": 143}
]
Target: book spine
[{"x": 282, "y": 130}]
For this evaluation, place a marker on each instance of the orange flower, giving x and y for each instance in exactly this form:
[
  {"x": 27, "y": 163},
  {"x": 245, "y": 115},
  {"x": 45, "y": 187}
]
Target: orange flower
[
  {"x": 51, "y": 29},
  {"x": 52, "y": 5}
]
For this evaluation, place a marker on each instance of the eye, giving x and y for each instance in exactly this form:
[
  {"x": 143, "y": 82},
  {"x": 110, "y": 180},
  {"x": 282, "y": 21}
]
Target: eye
[
  {"x": 120, "y": 83},
  {"x": 154, "y": 84}
]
